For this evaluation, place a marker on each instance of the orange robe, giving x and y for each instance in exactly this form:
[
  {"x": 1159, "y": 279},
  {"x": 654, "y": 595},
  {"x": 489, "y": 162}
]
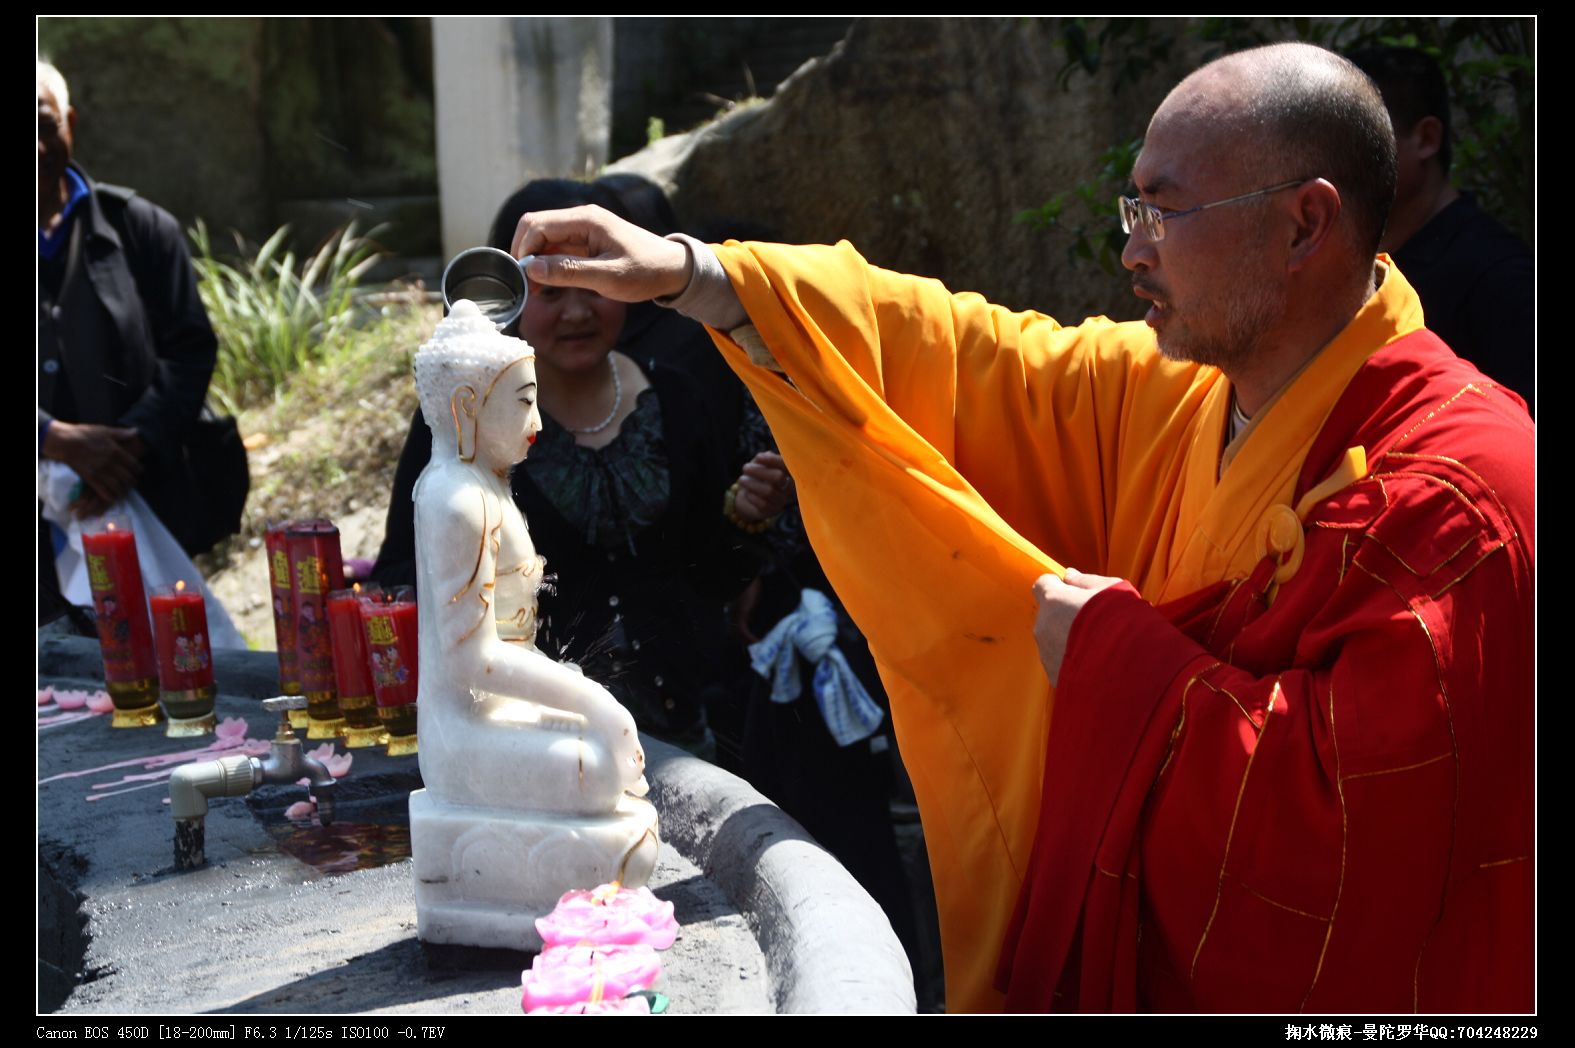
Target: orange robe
[{"x": 940, "y": 444}]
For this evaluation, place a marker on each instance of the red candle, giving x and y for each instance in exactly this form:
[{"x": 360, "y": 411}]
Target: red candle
[
  {"x": 115, "y": 575},
  {"x": 392, "y": 632},
  {"x": 316, "y": 570},
  {"x": 180, "y": 631},
  {"x": 353, "y": 670},
  {"x": 283, "y": 609}
]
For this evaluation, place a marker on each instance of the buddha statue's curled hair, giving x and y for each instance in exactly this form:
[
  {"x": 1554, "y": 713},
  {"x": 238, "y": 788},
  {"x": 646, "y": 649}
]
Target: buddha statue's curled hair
[{"x": 466, "y": 352}]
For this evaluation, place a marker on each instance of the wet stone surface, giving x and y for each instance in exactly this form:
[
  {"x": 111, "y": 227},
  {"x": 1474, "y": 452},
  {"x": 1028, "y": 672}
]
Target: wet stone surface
[
  {"x": 289, "y": 916},
  {"x": 240, "y": 942},
  {"x": 371, "y": 824}
]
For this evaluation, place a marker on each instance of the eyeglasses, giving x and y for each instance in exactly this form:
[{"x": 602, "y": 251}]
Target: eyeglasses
[{"x": 1151, "y": 220}]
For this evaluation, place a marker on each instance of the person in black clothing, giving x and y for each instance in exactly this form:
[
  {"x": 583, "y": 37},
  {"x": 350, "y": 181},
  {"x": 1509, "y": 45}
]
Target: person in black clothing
[
  {"x": 1476, "y": 279},
  {"x": 623, "y": 492},
  {"x": 673, "y": 339},
  {"x": 125, "y": 349}
]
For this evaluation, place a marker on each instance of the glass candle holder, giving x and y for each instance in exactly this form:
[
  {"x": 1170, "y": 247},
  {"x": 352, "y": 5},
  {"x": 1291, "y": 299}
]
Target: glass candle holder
[
  {"x": 316, "y": 570},
  {"x": 389, "y": 620},
  {"x": 180, "y": 634},
  {"x": 120, "y": 605},
  {"x": 353, "y": 669},
  {"x": 283, "y": 594}
]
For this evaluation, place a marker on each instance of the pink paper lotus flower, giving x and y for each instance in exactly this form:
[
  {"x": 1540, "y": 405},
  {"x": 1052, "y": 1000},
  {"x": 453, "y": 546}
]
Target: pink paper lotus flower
[
  {"x": 622, "y": 1006},
  {"x": 67, "y": 699},
  {"x": 71, "y": 705},
  {"x": 609, "y": 915},
  {"x": 231, "y": 728},
  {"x": 567, "y": 975},
  {"x": 338, "y": 764},
  {"x": 301, "y": 810}
]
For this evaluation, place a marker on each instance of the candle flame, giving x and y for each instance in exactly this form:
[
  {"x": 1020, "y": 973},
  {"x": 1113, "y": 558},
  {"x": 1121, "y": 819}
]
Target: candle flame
[
  {"x": 180, "y": 585},
  {"x": 109, "y": 525},
  {"x": 356, "y": 587}
]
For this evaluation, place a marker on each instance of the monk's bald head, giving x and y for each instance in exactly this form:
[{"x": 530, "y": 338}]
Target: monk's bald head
[{"x": 1293, "y": 111}]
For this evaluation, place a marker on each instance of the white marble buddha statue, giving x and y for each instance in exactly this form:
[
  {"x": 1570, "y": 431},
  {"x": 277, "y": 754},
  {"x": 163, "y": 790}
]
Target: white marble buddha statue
[{"x": 532, "y": 770}]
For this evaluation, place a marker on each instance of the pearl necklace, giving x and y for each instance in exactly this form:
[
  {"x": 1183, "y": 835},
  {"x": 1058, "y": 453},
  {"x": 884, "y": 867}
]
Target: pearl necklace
[{"x": 617, "y": 403}]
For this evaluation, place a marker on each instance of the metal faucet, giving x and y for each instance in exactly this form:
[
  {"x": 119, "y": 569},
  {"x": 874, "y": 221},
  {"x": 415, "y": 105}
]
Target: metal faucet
[{"x": 192, "y": 784}]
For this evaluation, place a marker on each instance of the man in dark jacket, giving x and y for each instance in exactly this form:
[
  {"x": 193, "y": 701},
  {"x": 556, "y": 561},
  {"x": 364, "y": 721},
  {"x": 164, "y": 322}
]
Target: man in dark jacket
[
  {"x": 1475, "y": 277},
  {"x": 125, "y": 350}
]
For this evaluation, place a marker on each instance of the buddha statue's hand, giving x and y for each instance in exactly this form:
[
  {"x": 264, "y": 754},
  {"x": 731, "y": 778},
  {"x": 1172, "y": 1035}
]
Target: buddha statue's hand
[
  {"x": 622, "y": 737},
  {"x": 562, "y": 720},
  {"x": 629, "y": 754}
]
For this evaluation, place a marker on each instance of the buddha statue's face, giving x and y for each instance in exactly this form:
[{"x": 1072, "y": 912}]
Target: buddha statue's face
[
  {"x": 507, "y": 420},
  {"x": 478, "y": 390}
]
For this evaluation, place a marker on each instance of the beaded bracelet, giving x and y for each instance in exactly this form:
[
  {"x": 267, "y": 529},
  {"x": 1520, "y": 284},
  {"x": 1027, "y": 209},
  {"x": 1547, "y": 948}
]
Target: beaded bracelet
[{"x": 730, "y": 511}]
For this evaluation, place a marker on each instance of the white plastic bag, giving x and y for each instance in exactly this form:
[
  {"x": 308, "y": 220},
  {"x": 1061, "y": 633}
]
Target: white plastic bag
[{"x": 163, "y": 561}]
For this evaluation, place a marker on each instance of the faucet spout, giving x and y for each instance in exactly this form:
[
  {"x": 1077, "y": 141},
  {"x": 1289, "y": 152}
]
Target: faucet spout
[
  {"x": 322, "y": 789},
  {"x": 287, "y": 763},
  {"x": 192, "y": 784}
]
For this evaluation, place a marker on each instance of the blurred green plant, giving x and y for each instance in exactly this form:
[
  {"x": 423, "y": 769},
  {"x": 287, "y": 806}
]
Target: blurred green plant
[
  {"x": 1487, "y": 63},
  {"x": 1094, "y": 225},
  {"x": 273, "y": 312}
]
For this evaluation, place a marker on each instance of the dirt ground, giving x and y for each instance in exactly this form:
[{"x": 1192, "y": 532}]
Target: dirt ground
[
  {"x": 326, "y": 446},
  {"x": 242, "y": 586}
]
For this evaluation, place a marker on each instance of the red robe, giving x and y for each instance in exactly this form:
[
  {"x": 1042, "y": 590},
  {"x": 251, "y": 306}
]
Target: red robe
[
  {"x": 1225, "y": 821},
  {"x": 948, "y": 451}
]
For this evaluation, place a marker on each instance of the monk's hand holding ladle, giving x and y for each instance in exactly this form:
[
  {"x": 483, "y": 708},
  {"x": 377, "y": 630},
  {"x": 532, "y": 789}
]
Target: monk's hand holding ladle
[{"x": 589, "y": 247}]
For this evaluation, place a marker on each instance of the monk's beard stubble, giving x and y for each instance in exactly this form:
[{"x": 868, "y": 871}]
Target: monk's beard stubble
[{"x": 1246, "y": 315}]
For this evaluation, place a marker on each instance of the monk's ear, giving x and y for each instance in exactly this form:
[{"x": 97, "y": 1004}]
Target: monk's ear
[
  {"x": 1428, "y": 134},
  {"x": 1317, "y": 212}
]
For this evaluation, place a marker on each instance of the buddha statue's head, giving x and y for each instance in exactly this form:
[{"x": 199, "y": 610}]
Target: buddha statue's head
[{"x": 477, "y": 390}]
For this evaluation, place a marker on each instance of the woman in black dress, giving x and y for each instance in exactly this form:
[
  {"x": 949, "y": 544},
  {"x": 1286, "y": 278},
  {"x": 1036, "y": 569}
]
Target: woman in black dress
[{"x": 623, "y": 492}]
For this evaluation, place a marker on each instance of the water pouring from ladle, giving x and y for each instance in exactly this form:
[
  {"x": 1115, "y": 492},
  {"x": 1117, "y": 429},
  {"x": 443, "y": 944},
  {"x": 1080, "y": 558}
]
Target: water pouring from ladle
[{"x": 494, "y": 280}]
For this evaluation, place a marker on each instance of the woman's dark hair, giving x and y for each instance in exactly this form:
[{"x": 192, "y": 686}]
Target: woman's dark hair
[
  {"x": 547, "y": 194},
  {"x": 643, "y": 202}
]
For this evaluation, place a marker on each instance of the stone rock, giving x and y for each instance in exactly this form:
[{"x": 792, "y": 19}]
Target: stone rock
[{"x": 921, "y": 140}]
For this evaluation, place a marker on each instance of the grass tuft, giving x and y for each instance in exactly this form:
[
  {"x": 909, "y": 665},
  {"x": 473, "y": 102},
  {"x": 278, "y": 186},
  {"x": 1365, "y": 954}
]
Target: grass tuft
[{"x": 275, "y": 313}]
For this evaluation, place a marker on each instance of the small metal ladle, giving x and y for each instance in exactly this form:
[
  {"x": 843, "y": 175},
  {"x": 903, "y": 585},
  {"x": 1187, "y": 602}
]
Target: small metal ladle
[{"x": 494, "y": 280}]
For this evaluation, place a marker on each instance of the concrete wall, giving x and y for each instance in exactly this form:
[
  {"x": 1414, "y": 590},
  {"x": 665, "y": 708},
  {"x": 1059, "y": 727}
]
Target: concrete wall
[
  {"x": 249, "y": 123},
  {"x": 517, "y": 98},
  {"x": 252, "y": 122},
  {"x": 169, "y": 106}
]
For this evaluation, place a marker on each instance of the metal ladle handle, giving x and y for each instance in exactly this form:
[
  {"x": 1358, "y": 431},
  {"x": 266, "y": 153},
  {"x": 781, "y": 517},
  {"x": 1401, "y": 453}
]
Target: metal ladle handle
[{"x": 494, "y": 280}]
